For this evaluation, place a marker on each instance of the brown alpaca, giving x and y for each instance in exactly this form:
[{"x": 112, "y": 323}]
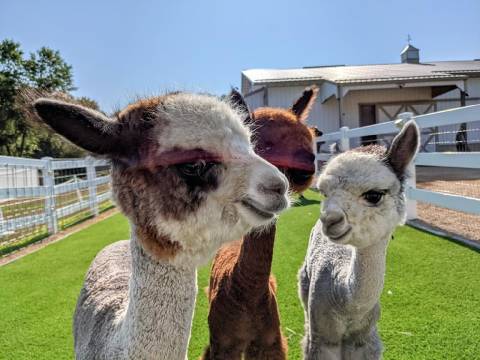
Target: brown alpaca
[{"x": 243, "y": 316}]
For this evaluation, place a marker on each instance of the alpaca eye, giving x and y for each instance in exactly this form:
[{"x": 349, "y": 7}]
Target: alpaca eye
[
  {"x": 195, "y": 169},
  {"x": 373, "y": 196}
]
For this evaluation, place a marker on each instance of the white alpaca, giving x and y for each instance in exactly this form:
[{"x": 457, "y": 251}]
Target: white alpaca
[
  {"x": 185, "y": 174},
  {"x": 342, "y": 277}
]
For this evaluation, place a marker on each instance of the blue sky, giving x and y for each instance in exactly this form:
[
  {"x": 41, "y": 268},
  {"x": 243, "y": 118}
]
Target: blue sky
[{"x": 120, "y": 49}]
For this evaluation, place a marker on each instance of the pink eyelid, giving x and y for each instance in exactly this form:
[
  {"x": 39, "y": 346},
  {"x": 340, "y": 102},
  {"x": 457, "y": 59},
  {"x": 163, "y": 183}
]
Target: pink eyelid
[{"x": 176, "y": 157}]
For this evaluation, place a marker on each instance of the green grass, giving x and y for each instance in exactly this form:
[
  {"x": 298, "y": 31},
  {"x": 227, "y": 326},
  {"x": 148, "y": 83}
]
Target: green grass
[{"x": 430, "y": 303}]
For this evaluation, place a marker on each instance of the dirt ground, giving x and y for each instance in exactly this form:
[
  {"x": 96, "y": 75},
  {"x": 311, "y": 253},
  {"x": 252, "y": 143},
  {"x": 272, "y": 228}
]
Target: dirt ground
[{"x": 451, "y": 181}]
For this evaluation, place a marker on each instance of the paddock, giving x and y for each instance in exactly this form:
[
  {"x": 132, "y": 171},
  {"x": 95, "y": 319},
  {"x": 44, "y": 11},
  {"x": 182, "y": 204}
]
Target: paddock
[
  {"x": 429, "y": 304},
  {"x": 431, "y": 294},
  {"x": 455, "y": 181}
]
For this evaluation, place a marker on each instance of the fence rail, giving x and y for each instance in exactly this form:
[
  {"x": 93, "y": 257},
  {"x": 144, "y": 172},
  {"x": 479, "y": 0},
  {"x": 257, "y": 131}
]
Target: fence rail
[
  {"x": 40, "y": 196},
  {"x": 448, "y": 160}
]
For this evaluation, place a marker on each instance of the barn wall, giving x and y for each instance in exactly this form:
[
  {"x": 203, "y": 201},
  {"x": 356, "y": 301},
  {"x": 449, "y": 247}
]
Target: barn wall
[
  {"x": 472, "y": 87},
  {"x": 351, "y": 102},
  {"x": 255, "y": 100},
  {"x": 323, "y": 116},
  {"x": 284, "y": 97}
]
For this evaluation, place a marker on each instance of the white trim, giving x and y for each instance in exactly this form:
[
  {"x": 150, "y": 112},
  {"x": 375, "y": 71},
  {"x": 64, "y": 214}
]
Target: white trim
[
  {"x": 469, "y": 160},
  {"x": 23, "y": 222},
  {"x": 49, "y": 191},
  {"x": 333, "y": 136},
  {"x": 39, "y": 219},
  {"x": 323, "y": 157},
  {"x": 12, "y": 193},
  {"x": 398, "y": 84},
  {"x": 458, "y": 83},
  {"x": 347, "y": 88},
  {"x": 76, "y": 163},
  {"x": 466, "y": 114},
  {"x": 39, "y": 191},
  {"x": 82, "y": 184},
  {"x": 328, "y": 90},
  {"x": 17, "y": 161},
  {"x": 449, "y": 201}
]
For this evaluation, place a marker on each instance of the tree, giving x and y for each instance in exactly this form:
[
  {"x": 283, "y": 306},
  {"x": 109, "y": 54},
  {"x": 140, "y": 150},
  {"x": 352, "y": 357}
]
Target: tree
[
  {"x": 46, "y": 72},
  {"x": 90, "y": 103},
  {"x": 11, "y": 77}
]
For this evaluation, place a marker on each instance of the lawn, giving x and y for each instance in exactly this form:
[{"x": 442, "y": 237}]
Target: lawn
[{"x": 430, "y": 303}]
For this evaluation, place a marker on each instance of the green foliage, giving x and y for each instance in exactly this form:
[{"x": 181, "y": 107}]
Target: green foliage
[
  {"x": 90, "y": 103},
  {"x": 46, "y": 72}
]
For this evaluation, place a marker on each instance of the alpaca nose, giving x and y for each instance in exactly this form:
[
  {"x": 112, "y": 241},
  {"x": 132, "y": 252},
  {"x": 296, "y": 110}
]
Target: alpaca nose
[
  {"x": 269, "y": 187},
  {"x": 332, "y": 218},
  {"x": 276, "y": 186},
  {"x": 335, "y": 224}
]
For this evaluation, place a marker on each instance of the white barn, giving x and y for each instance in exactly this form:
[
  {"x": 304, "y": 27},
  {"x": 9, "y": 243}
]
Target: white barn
[{"x": 362, "y": 95}]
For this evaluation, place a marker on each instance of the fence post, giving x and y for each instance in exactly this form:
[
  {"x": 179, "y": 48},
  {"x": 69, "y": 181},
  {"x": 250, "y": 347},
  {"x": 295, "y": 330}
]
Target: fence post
[
  {"x": 403, "y": 118},
  {"x": 48, "y": 175},
  {"x": 92, "y": 187},
  {"x": 344, "y": 140}
]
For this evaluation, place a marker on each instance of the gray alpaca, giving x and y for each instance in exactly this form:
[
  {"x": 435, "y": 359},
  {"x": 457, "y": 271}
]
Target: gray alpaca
[
  {"x": 342, "y": 276},
  {"x": 185, "y": 174}
]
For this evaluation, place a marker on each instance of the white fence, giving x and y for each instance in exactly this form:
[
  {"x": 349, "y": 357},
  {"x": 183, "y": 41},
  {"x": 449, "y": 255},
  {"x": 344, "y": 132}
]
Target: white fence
[
  {"x": 40, "y": 196},
  {"x": 448, "y": 160}
]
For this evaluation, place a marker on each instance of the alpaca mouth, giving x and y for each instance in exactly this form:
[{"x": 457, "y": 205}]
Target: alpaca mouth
[
  {"x": 256, "y": 210},
  {"x": 340, "y": 236}
]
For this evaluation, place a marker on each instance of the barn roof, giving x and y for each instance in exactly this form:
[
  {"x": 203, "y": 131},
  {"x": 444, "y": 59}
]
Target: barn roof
[
  {"x": 437, "y": 70},
  {"x": 409, "y": 47}
]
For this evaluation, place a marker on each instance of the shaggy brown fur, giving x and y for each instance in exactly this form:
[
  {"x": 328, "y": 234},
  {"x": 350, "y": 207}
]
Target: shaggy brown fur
[{"x": 243, "y": 316}]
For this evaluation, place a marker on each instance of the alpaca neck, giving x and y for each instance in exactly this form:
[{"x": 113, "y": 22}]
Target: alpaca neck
[
  {"x": 252, "y": 271},
  {"x": 366, "y": 275},
  {"x": 161, "y": 297}
]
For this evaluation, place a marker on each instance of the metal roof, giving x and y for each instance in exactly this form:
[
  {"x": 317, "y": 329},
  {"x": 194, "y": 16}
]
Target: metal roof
[
  {"x": 409, "y": 47},
  {"x": 437, "y": 70}
]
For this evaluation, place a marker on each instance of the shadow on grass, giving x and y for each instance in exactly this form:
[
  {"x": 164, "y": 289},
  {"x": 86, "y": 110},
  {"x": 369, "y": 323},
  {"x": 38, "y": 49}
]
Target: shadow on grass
[
  {"x": 429, "y": 229},
  {"x": 303, "y": 201}
]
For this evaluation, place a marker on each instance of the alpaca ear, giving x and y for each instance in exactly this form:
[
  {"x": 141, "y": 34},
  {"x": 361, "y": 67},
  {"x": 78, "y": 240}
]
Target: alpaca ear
[
  {"x": 315, "y": 131},
  {"x": 84, "y": 127},
  {"x": 237, "y": 99},
  {"x": 302, "y": 106},
  {"x": 404, "y": 148}
]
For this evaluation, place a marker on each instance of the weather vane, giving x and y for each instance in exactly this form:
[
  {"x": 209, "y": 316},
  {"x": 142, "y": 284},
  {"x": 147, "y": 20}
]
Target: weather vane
[{"x": 409, "y": 38}]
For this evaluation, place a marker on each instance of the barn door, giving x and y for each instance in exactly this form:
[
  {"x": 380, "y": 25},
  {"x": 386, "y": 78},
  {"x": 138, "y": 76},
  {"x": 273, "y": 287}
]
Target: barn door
[
  {"x": 389, "y": 112},
  {"x": 368, "y": 116}
]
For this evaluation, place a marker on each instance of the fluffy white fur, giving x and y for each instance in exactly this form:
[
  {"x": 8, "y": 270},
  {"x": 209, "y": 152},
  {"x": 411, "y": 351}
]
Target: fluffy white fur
[
  {"x": 142, "y": 311},
  {"x": 342, "y": 277}
]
